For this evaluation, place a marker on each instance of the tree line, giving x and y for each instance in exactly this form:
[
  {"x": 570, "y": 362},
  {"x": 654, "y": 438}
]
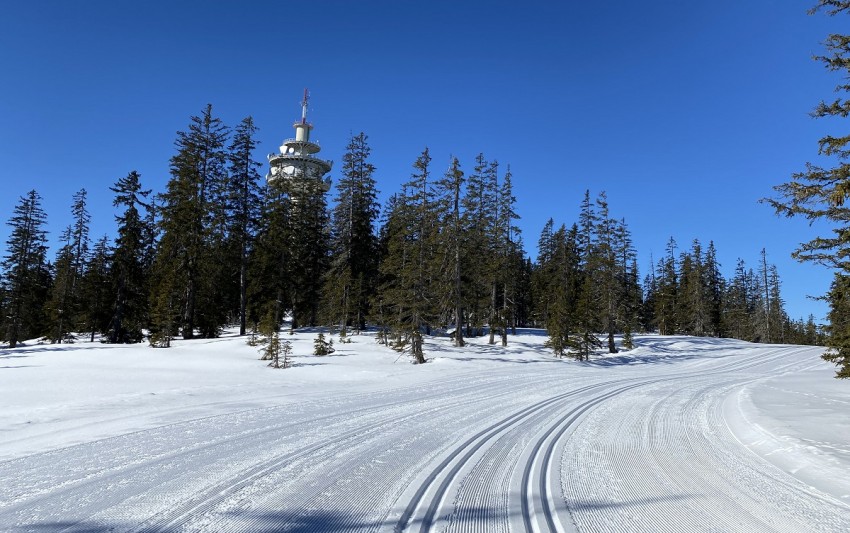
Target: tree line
[{"x": 220, "y": 246}]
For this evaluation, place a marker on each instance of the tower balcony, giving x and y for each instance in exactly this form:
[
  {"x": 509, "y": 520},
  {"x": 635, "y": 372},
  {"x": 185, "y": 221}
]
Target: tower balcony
[{"x": 296, "y": 145}]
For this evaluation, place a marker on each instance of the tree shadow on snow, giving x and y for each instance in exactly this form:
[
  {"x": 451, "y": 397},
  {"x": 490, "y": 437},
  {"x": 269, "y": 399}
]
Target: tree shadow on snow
[
  {"x": 329, "y": 521},
  {"x": 28, "y": 351}
]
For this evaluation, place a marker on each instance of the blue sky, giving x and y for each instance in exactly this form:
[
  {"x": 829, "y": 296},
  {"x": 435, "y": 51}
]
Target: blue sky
[{"x": 685, "y": 113}]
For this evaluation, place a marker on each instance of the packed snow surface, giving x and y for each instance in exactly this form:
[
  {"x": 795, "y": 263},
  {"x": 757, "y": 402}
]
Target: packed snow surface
[{"x": 678, "y": 434}]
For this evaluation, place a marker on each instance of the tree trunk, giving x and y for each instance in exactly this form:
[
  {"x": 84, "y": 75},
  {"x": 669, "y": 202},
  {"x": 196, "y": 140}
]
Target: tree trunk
[
  {"x": 493, "y": 315},
  {"x": 243, "y": 291}
]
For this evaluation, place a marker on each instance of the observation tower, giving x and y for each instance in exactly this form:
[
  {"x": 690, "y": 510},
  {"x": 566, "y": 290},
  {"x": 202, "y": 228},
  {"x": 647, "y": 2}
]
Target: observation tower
[{"x": 297, "y": 161}]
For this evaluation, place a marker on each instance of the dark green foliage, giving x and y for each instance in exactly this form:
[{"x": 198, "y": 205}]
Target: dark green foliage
[
  {"x": 308, "y": 246},
  {"x": 26, "y": 278},
  {"x": 271, "y": 263},
  {"x": 193, "y": 222},
  {"x": 561, "y": 278},
  {"x": 323, "y": 346},
  {"x": 667, "y": 292},
  {"x": 480, "y": 209},
  {"x": 821, "y": 192},
  {"x": 130, "y": 261},
  {"x": 96, "y": 295},
  {"x": 405, "y": 299},
  {"x": 244, "y": 206},
  {"x": 839, "y": 325},
  {"x": 353, "y": 269},
  {"x": 65, "y": 305},
  {"x": 278, "y": 352},
  {"x": 509, "y": 256},
  {"x": 447, "y": 265}
]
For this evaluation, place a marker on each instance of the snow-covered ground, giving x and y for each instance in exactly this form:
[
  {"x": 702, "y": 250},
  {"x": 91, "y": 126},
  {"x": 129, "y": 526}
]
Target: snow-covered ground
[{"x": 679, "y": 434}]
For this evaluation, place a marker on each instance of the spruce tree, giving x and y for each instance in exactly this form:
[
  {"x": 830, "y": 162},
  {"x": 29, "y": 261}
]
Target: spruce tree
[
  {"x": 563, "y": 287},
  {"x": 96, "y": 296},
  {"x": 271, "y": 265},
  {"x": 821, "y": 193},
  {"x": 128, "y": 263},
  {"x": 693, "y": 304},
  {"x": 350, "y": 280},
  {"x": 542, "y": 276},
  {"x": 406, "y": 267},
  {"x": 630, "y": 301},
  {"x": 193, "y": 223},
  {"x": 737, "y": 313},
  {"x": 605, "y": 272},
  {"x": 61, "y": 306},
  {"x": 308, "y": 245},
  {"x": 479, "y": 211},
  {"x": 714, "y": 286},
  {"x": 650, "y": 294},
  {"x": 65, "y": 304},
  {"x": 26, "y": 279},
  {"x": 509, "y": 253},
  {"x": 447, "y": 264},
  {"x": 244, "y": 207},
  {"x": 667, "y": 292},
  {"x": 589, "y": 307}
]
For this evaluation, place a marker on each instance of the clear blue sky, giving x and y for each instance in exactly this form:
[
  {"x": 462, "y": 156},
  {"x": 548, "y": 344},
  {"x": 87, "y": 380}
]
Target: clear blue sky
[{"x": 686, "y": 113}]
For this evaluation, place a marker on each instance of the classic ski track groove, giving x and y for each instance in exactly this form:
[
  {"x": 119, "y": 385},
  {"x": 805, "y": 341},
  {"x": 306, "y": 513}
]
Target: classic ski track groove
[
  {"x": 688, "y": 407},
  {"x": 688, "y": 417},
  {"x": 115, "y": 474},
  {"x": 219, "y": 492}
]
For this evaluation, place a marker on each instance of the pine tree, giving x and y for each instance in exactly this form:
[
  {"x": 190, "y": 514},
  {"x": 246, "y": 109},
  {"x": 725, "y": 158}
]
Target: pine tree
[
  {"x": 820, "y": 193},
  {"x": 354, "y": 247},
  {"x": 650, "y": 294},
  {"x": 65, "y": 306},
  {"x": 630, "y": 300},
  {"x": 542, "y": 276},
  {"x": 271, "y": 262},
  {"x": 606, "y": 274},
  {"x": 778, "y": 318},
  {"x": 667, "y": 292},
  {"x": 321, "y": 346},
  {"x": 510, "y": 254},
  {"x": 563, "y": 287},
  {"x": 271, "y": 347},
  {"x": 715, "y": 287},
  {"x": 308, "y": 245},
  {"x": 61, "y": 306},
  {"x": 405, "y": 269},
  {"x": 95, "y": 290},
  {"x": 838, "y": 328},
  {"x": 589, "y": 307},
  {"x": 193, "y": 223},
  {"x": 764, "y": 319},
  {"x": 129, "y": 262},
  {"x": 479, "y": 211},
  {"x": 737, "y": 313},
  {"x": 693, "y": 304},
  {"x": 447, "y": 264},
  {"x": 244, "y": 206},
  {"x": 26, "y": 279}
]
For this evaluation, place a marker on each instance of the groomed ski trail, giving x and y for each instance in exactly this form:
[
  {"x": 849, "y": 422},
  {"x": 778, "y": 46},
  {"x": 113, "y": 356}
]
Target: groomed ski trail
[{"x": 541, "y": 447}]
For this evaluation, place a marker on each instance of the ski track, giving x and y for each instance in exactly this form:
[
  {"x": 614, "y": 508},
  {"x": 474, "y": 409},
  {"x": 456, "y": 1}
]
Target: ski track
[
  {"x": 672, "y": 465},
  {"x": 538, "y": 450}
]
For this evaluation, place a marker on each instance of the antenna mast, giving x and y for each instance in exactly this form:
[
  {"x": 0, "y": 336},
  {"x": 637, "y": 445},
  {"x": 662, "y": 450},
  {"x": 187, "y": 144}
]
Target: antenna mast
[{"x": 304, "y": 108}]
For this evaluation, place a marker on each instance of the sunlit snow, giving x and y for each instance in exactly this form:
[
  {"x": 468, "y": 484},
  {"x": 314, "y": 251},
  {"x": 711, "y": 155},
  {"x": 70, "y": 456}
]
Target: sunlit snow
[{"x": 679, "y": 434}]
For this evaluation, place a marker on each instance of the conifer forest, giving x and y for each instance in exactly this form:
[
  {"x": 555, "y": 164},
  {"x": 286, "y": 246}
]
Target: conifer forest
[{"x": 222, "y": 246}]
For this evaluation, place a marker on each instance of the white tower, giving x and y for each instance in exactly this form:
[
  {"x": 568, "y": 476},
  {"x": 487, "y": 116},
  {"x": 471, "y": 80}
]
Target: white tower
[{"x": 296, "y": 160}]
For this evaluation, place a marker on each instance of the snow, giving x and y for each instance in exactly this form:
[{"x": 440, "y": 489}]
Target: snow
[{"x": 678, "y": 434}]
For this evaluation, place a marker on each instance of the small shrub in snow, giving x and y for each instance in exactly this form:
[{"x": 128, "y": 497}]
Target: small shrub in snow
[
  {"x": 254, "y": 337},
  {"x": 322, "y": 346}
]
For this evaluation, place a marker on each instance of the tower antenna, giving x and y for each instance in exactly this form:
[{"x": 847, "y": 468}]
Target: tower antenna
[{"x": 304, "y": 108}]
